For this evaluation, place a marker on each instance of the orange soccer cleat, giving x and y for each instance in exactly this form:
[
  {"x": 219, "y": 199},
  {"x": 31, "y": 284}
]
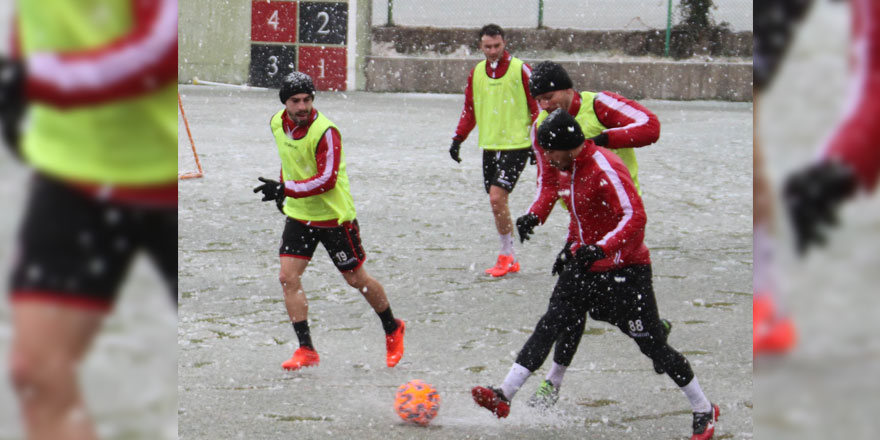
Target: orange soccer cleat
[
  {"x": 771, "y": 334},
  {"x": 505, "y": 264},
  {"x": 394, "y": 344},
  {"x": 302, "y": 357}
]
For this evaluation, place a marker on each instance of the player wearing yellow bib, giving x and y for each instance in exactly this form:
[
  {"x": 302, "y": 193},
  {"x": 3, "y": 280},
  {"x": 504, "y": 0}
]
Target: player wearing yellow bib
[
  {"x": 497, "y": 100},
  {"x": 609, "y": 120},
  {"x": 315, "y": 198},
  {"x": 98, "y": 79}
]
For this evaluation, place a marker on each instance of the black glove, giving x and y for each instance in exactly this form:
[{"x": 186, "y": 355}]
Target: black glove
[
  {"x": 601, "y": 139},
  {"x": 279, "y": 203},
  {"x": 12, "y": 102},
  {"x": 812, "y": 197},
  {"x": 453, "y": 150},
  {"x": 271, "y": 189},
  {"x": 585, "y": 256},
  {"x": 525, "y": 225},
  {"x": 532, "y": 158},
  {"x": 563, "y": 259}
]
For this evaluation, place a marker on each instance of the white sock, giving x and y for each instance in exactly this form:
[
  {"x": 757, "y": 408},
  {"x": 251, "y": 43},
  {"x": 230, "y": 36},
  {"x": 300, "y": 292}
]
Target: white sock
[
  {"x": 514, "y": 380},
  {"x": 695, "y": 395},
  {"x": 555, "y": 374},
  {"x": 763, "y": 268},
  {"x": 506, "y": 244}
]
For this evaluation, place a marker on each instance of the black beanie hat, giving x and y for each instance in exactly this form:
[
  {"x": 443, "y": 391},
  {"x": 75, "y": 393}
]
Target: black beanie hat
[
  {"x": 547, "y": 77},
  {"x": 560, "y": 131},
  {"x": 294, "y": 84}
]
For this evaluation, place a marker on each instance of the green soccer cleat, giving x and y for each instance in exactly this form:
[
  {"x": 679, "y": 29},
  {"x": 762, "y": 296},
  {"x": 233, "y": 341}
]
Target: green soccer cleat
[{"x": 545, "y": 397}]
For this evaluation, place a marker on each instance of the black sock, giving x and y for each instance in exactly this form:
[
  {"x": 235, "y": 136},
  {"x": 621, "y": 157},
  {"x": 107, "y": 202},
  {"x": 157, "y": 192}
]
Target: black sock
[
  {"x": 388, "y": 322},
  {"x": 302, "y": 333}
]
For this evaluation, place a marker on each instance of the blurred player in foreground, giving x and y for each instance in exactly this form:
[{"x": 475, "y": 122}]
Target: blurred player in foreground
[
  {"x": 99, "y": 82},
  {"x": 497, "y": 99},
  {"x": 604, "y": 271},
  {"x": 318, "y": 208},
  {"x": 848, "y": 161}
]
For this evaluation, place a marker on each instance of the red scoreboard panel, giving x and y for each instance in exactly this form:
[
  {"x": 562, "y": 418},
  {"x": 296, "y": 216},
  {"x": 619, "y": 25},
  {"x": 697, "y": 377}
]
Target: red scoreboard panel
[{"x": 298, "y": 35}]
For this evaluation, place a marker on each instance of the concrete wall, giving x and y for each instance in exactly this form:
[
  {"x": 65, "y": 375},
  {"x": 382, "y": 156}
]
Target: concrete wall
[
  {"x": 416, "y": 40},
  {"x": 636, "y": 80},
  {"x": 214, "y": 40}
]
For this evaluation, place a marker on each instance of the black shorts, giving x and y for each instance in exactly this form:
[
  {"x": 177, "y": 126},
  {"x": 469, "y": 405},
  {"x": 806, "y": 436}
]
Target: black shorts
[
  {"x": 343, "y": 243},
  {"x": 503, "y": 167},
  {"x": 75, "y": 250},
  {"x": 622, "y": 297},
  {"x": 775, "y": 23}
]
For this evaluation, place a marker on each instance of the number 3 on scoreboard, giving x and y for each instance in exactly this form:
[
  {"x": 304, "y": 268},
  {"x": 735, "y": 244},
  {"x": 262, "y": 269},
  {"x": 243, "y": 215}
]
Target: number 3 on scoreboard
[{"x": 273, "y": 65}]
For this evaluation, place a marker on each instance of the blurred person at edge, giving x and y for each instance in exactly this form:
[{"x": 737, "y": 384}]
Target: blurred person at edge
[
  {"x": 98, "y": 80},
  {"x": 847, "y": 162},
  {"x": 497, "y": 99}
]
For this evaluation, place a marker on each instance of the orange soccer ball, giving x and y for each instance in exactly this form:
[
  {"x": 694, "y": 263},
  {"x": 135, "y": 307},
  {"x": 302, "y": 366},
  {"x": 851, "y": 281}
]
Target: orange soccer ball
[{"x": 417, "y": 402}]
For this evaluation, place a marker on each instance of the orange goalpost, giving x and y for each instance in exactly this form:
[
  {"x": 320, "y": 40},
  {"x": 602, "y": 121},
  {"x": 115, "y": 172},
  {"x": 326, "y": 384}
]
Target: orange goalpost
[{"x": 195, "y": 174}]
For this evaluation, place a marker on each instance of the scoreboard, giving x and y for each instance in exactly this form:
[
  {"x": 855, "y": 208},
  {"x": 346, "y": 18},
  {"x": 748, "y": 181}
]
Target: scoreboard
[{"x": 308, "y": 36}]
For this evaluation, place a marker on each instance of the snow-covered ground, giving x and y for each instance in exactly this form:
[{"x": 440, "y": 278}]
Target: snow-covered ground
[
  {"x": 829, "y": 386},
  {"x": 428, "y": 232}
]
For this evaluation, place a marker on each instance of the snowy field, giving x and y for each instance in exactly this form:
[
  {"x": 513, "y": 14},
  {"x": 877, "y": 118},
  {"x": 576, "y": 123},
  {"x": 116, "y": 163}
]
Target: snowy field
[
  {"x": 428, "y": 233},
  {"x": 829, "y": 386}
]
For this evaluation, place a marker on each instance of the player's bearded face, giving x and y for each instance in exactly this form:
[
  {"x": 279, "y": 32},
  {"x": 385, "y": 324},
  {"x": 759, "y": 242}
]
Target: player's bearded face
[
  {"x": 492, "y": 46},
  {"x": 299, "y": 107},
  {"x": 560, "y": 159},
  {"x": 553, "y": 100}
]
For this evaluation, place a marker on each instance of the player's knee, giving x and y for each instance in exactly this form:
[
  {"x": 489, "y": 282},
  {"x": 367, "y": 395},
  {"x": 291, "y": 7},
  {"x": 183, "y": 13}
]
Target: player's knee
[
  {"x": 360, "y": 282},
  {"x": 651, "y": 347},
  {"x": 36, "y": 379},
  {"x": 288, "y": 279},
  {"x": 497, "y": 197}
]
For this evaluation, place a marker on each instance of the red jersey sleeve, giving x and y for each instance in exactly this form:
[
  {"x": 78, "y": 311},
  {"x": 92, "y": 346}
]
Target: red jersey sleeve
[
  {"x": 630, "y": 124},
  {"x": 468, "y": 120},
  {"x": 624, "y": 200},
  {"x": 534, "y": 110},
  {"x": 548, "y": 183},
  {"x": 141, "y": 61},
  {"x": 327, "y": 155}
]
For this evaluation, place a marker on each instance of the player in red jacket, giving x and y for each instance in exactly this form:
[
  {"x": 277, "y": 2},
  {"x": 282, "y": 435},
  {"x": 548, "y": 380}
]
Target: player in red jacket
[
  {"x": 621, "y": 125},
  {"x": 604, "y": 270}
]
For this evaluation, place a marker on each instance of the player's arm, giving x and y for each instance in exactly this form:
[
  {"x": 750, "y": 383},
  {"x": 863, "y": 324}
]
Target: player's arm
[
  {"x": 547, "y": 192},
  {"x": 534, "y": 110},
  {"x": 139, "y": 62},
  {"x": 327, "y": 155},
  {"x": 622, "y": 196},
  {"x": 630, "y": 124},
  {"x": 468, "y": 120}
]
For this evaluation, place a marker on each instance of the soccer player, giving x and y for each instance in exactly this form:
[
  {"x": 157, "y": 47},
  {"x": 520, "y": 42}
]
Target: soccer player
[
  {"x": 847, "y": 162},
  {"x": 315, "y": 198},
  {"x": 610, "y": 121},
  {"x": 99, "y": 80},
  {"x": 604, "y": 270},
  {"x": 497, "y": 100}
]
